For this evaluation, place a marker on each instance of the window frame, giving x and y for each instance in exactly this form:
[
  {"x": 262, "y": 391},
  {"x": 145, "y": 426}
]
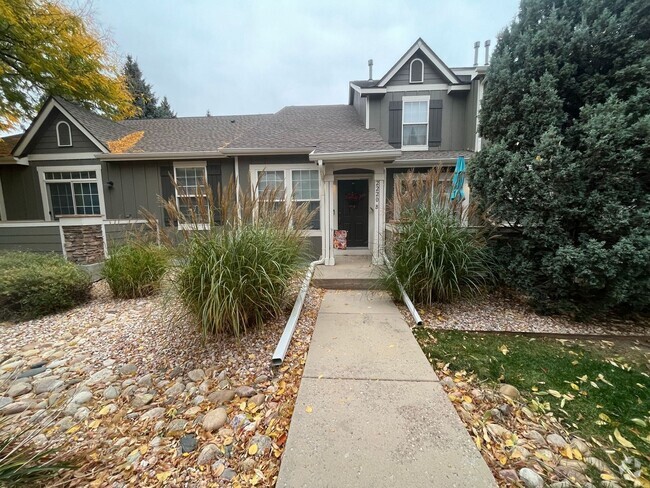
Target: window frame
[
  {"x": 58, "y": 135},
  {"x": 416, "y": 99},
  {"x": 411, "y": 71},
  {"x": 45, "y": 197},
  {"x": 177, "y": 196},
  {"x": 256, "y": 169}
]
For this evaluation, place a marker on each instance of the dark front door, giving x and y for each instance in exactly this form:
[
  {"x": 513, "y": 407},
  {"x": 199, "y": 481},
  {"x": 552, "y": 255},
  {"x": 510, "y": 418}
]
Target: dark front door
[{"x": 353, "y": 211}]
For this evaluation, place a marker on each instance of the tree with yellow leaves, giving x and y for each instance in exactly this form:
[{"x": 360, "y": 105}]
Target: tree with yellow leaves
[{"x": 47, "y": 48}]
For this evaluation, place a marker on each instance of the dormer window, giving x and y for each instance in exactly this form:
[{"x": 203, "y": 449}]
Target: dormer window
[
  {"x": 63, "y": 134},
  {"x": 417, "y": 71}
]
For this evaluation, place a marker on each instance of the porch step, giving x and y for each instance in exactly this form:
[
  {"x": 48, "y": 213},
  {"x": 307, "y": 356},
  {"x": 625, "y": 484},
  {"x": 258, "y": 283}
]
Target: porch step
[{"x": 349, "y": 273}]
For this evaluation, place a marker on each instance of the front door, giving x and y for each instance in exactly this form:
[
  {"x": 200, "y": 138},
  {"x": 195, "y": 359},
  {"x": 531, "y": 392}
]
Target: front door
[{"x": 353, "y": 211}]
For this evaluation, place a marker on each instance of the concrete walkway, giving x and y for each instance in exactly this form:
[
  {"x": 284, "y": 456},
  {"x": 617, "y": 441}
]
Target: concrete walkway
[{"x": 370, "y": 411}]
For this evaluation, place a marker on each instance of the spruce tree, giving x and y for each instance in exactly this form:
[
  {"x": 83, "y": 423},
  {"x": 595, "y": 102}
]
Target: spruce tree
[
  {"x": 566, "y": 118},
  {"x": 144, "y": 99}
]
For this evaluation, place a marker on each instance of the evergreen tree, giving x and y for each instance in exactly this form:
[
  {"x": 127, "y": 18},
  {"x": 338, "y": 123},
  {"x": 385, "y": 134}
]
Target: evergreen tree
[
  {"x": 165, "y": 110},
  {"x": 566, "y": 113},
  {"x": 144, "y": 99}
]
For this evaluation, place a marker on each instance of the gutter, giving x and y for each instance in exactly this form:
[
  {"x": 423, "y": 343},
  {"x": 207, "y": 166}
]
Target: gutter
[
  {"x": 253, "y": 151},
  {"x": 405, "y": 298},
  {"x": 373, "y": 155},
  {"x": 289, "y": 329},
  {"x": 160, "y": 155}
]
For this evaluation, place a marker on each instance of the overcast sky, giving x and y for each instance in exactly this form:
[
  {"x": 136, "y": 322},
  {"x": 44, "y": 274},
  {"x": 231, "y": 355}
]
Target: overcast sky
[{"x": 238, "y": 57}]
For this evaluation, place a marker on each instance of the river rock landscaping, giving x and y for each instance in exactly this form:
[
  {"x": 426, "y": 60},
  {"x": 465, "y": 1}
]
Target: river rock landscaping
[{"x": 132, "y": 393}]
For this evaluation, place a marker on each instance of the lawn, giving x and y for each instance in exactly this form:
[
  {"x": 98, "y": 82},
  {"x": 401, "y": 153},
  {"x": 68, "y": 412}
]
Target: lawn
[{"x": 599, "y": 389}]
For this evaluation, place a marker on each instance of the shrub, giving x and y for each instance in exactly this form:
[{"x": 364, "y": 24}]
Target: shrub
[
  {"x": 433, "y": 254},
  {"x": 236, "y": 273},
  {"x": 567, "y": 165},
  {"x": 32, "y": 285},
  {"x": 135, "y": 269}
]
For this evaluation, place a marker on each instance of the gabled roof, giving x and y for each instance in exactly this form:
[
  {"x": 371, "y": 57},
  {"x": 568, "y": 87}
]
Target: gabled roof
[
  {"x": 98, "y": 129},
  {"x": 431, "y": 56}
]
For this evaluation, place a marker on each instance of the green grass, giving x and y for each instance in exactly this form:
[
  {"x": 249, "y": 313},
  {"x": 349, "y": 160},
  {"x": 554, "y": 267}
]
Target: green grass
[{"x": 535, "y": 366}]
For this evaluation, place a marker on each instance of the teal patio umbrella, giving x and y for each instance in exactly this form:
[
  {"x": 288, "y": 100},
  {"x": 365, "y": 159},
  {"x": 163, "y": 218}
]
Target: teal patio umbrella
[{"x": 458, "y": 180}]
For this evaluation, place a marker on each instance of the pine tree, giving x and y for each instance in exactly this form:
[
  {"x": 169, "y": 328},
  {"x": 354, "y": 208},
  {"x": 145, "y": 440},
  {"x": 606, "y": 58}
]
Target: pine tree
[
  {"x": 144, "y": 99},
  {"x": 566, "y": 112},
  {"x": 165, "y": 110}
]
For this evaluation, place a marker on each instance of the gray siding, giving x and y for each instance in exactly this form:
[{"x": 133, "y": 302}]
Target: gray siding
[
  {"x": 453, "y": 116},
  {"x": 36, "y": 239},
  {"x": 22, "y": 193},
  {"x": 431, "y": 73},
  {"x": 116, "y": 234},
  {"x": 359, "y": 104},
  {"x": 45, "y": 141}
]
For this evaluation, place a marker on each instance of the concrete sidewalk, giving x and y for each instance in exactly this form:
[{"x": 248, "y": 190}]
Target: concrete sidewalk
[{"x": 370, "y": 411}]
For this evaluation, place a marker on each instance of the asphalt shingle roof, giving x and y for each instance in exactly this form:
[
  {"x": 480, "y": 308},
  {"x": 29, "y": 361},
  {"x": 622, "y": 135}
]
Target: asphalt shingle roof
[
  {"x": 366, "y": 83},
  {"x": 191, "y": 133},
  {"x": 325, "y": 128}
]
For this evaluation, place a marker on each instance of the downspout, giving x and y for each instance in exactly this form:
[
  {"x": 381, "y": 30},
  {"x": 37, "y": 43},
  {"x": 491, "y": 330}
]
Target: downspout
[
  {"x": 237, "y": 187},
  {"x": 289, "y": 329},
  {"x": 405, "y": 298}
]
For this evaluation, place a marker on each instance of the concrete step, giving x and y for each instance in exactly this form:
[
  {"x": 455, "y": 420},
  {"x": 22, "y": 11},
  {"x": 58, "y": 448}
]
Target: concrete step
[{"x": 349, "y": 273}]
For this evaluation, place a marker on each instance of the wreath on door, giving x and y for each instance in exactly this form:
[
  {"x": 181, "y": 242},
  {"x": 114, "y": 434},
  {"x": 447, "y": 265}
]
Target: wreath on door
[{"x": 353, "y": 198}]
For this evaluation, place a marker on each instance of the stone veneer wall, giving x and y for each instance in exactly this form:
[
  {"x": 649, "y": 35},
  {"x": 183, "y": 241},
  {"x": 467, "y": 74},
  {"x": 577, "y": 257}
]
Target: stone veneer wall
[{"x": 84, "y": 244}]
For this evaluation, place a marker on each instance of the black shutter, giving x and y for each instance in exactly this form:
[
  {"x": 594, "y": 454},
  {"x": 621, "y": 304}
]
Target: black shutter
[
  {"x": 167, "y": 188},
  {"x": 214, "y": 181},
  {"x": 395, "y": 124},
  {"x": 435, "y": 123}
]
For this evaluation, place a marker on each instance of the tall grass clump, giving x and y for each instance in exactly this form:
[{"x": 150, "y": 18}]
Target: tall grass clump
[
  {"x": 135, "y": 269},
  {"x": 23, "y": 464},
  {"x": 235, "y": 264},
  {"x": 434, "y": 253},
  {"x": 33, "y": 285}
]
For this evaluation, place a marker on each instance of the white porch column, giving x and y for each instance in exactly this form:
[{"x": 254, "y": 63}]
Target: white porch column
[
  {"x": 379, "y": 195},
  {"x": 328, "y": 219}
]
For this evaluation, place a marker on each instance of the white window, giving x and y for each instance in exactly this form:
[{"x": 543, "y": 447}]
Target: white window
[
  {"x": 63, "y": 134},
  {"x": 413, "y": 190},
  {"x": 297, "y": 183},
  {"x": 190, "y": 190},
  {"x": 415, "y": 123},
  {"x": 71, "y": 190},
  {"x": 416, "y": 74}
]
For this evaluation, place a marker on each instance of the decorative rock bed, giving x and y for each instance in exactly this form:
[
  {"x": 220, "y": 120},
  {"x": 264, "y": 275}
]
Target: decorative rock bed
[{"x": 129, "y": 389}]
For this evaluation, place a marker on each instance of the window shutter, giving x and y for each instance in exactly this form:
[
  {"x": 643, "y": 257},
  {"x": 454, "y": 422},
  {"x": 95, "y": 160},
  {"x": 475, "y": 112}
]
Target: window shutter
[
  {"x": 395, "y": 124},
  {"x": 167, "y": 188},
  {"x": 214, "y": 182},
  {"x": 435, "y": 123}
]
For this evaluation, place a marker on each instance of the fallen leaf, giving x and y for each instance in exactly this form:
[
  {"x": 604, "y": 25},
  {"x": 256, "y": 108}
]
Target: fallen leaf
[
  {"x": 309, "y": 409},
  {"x": 252, "y": 450},
  {"x": 163, "y": 476},
  {"x": 622, "y": 440}
]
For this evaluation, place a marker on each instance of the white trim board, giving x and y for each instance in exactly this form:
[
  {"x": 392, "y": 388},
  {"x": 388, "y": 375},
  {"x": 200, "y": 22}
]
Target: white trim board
[
  {"x": 58, "y": 134},
  {"x": 62, "y": 156},
  {"x": 53, "y": 169},
  {"x": 411, "y": 71}
]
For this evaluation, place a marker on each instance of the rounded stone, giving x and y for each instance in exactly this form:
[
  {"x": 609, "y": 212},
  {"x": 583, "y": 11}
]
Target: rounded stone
[
  {"x": 176, "y": 427},
  {"x": 188, "y": 443},
  {"x": 257, "y": 400},
  {"x": 111, "y": 393},
  {"x": 82, "y": 413},
  {"x": 215, "y": 419},
  {"x": 82, "y": 397},
  {"x": 154, "y": 413},
  {"x": 142, "y": 400},
  {"x": 208, "y": 454},
  {"x": 196, "y": 375},
  {"x": 530, "y": 478},
  {"x": 245, "y": 391},
  {"x": 222, "y": 396},
  {"x": 14, "y": 408},
  {"x": 127, "y": 370},
  {"x": 556, "y": 440},
  {"x": 509, "y": 391},
  {"x": 19, "y": 389}
]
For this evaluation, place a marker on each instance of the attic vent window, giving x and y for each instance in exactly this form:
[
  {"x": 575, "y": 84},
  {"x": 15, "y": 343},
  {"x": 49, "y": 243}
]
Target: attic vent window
[
  {"x": 63, "y": 134},
  {"x": 417, "y": 71}
]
